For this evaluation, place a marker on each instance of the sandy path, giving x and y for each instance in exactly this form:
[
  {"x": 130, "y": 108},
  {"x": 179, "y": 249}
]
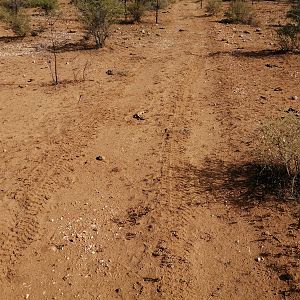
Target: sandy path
[{"x": 136, "y": 225}]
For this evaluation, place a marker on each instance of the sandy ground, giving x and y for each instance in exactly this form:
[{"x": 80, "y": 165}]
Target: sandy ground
[{"x": 134, "y": 185}]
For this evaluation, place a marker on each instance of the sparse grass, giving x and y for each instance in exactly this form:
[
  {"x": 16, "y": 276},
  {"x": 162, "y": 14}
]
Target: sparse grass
[
  {"x": 213, "y": 7},
  {"x": 240, "y": 12},
  {"x": 12, "y": 13},
  {"x": 289, "y": 34},
  {"x": 136, "y": 10},
  {"x": 19, "y": 23},
  {"x": 279, "y": 151},
  {"x": 47, "y": 5}
]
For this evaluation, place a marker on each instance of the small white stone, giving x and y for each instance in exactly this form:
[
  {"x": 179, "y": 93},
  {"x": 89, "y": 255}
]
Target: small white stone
[
  {"x": 259, "y": 259},
  {"x": 53, "y": 248}
]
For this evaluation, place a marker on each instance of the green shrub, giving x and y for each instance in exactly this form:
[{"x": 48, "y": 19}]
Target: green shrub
[
  {"x": 19, "y": 23},
  {"x": 288, "y": 37},
  {"x": 47, "y": 5},
  {"x": 97, "y": 16},
  {"x": 239, "y": 12},
  {"x": 152, "y": 4},
  {"x": 279, "y": 149},
  {"x": 213, "y": 7},
  {"x": 3, "y": 14},
  {"x": 289, "y": 34},
  {"x": 11, "y": 6},
  {"x": 14, "y": 16},
  {"x": 136, "y": 10}
]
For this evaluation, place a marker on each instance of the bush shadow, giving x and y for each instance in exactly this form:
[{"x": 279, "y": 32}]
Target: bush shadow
[
  {"x": 259, "y": 53},
  {"x": 73, "y": 46},
  {"x": 243, "y": 185},
  {"x": 252, "y": 54},
  {"x": 9, "y": 39}
]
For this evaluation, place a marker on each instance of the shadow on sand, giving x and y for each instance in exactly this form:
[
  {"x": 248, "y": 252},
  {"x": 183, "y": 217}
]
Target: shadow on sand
[
  {"x": 251, "y": 54},
  {"x": 243, "y": 185}
]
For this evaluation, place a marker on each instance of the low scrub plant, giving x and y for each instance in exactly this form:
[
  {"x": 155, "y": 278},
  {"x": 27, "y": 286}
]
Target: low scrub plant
[
  {"x": 153, "y": 4},
  {"x": 279, "y": 151},
  {"x": 19, "y": 23},
  {"x": 136, "y": 10},
  {"x": 13, "y": 14},
  {"x": 97, "y": 16},
  {"x": 289, "y": 34},
  {"x": 240, "y": 12},
  {"x": 213, "y": 7},
  {"x": 46, "y": 5}
]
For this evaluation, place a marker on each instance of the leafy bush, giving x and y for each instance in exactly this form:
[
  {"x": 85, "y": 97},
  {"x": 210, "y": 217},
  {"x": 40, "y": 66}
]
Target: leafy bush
[
  {"x": 11, "y": 5},
  {"x": 279, "y": 149},
  {"x": 152, "y": 4},
  {"x": 47, "y": 5},
  {"x": 19, "y": 23},
  {"x": 14, "y": 16},
  {"x": 213, "y": 7},
  {"x": 97, "y": 16},
  {"x": 289, "y": 34},
  {"x": 3, "y": 14},
  {"x": 136, "y": 10},
  {"x": 239, "y": 12},
  {"x": 288, "y": 37}
]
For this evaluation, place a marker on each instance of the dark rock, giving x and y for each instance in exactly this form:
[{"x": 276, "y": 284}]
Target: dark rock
[
  {"x": 286, "y": 277},
  {"x": 270, "y": 65},
  {"x": 110, "y": 72},
  {"x": 138, "y": 117},
  {"x": 292, "y": 110},
  {"x": 149, "y": 279}
]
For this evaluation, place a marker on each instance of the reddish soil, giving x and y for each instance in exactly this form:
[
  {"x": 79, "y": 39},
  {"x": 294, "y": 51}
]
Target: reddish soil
[{"x": 138, "y": 185}]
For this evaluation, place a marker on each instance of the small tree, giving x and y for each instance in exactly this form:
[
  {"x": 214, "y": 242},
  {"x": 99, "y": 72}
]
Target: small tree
[
  {"x": 97, "y": 16},
  {"x": 125, "y": 8},
  {"x": 52, "y": 19}
]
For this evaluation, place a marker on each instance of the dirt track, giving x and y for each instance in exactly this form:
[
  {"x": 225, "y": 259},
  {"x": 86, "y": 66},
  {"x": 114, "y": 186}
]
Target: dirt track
[{"x": 141, "y": 221}]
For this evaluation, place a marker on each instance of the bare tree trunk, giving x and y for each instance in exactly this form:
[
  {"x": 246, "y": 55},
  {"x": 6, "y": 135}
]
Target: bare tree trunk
[
  {"x": 125, "y": 10},
  {"x": 156, "y": 11},
  {"x": 54, "y": 49},
  {"x": 55, "y": 65}
]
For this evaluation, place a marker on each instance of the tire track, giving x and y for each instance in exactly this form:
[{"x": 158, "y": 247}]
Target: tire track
[
  {"x": 32, "y": 195},
  {"x": 172, "y": 210}
]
